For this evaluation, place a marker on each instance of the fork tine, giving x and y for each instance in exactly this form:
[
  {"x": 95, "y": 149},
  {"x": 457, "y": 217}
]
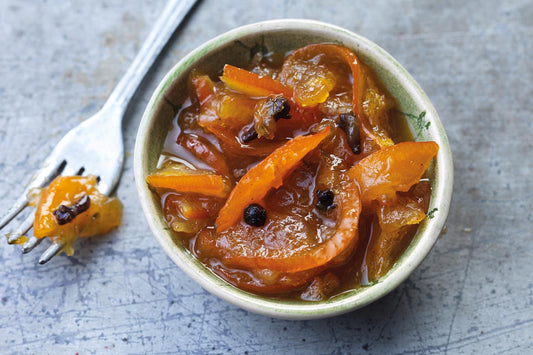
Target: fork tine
[
  {"x": 51, "y": 252},
  {"x": 41, "y": 178},
  {"x": 14, "y": 210},
  {"x": 24, "y": 227},
  {"x": 30, "y": 244}
]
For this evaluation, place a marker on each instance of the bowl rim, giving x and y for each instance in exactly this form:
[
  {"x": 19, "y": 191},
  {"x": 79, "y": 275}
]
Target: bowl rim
[{"x": 287, "y": 309}]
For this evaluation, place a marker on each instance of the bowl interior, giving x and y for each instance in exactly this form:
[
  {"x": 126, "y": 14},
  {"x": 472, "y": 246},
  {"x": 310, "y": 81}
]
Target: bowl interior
[{"x": 234, "y": 48}]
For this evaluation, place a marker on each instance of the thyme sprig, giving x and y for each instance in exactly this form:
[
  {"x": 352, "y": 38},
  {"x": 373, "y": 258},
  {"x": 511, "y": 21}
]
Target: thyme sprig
[
  {"x": 431, "y": 213},
  {"x": 419, "y": 122}
]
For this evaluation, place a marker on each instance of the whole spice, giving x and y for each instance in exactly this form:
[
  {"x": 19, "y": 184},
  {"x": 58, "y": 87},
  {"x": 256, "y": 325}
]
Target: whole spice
[
  {"x": 325, "y": 200},
  {"x": 65, "y": 214},
  {"x": 349, "y": 123},
  {"x": 255, "y": 215}
]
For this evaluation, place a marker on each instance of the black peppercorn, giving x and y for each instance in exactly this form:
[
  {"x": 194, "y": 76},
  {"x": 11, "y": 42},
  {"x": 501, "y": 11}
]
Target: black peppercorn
[
  {"x": 255, "y": 215},
  {"x": 325, "y": 200}
]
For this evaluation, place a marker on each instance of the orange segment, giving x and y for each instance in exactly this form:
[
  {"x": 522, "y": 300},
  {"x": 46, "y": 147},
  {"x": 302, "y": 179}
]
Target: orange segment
[
  {"x": 102, "y": 215},
  {"x": 257, "y": 254},
  {"x": 107, "y": 218},
  {"x": 268, "y": 174}
]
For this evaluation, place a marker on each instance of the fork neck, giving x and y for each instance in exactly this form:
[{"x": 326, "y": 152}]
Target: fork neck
[
  {"x": 162, "y": 30},
  {"x": 112, "y": 113}
]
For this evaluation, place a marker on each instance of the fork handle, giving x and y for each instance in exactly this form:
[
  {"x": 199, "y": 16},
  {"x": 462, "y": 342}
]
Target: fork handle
[{"x": 163, "y": 29}]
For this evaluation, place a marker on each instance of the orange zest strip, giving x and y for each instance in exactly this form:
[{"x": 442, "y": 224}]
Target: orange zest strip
[
  {"x": 346, "y": 237},
  {"x": 205, "y": 184},
  {"x": 395, "y": 168},
  {"x": 252, "y": 84},
  {"x": 266, "y": 175}
]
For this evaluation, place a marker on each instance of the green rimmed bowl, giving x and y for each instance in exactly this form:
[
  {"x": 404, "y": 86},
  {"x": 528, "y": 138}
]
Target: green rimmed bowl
[{"x": 233, "y": 47}]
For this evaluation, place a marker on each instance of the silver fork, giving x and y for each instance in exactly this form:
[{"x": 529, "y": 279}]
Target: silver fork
[{"x": 96, "y": 145}]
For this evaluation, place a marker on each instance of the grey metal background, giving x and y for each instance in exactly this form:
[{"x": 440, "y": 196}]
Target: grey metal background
[{"x": 121, "y": 294}]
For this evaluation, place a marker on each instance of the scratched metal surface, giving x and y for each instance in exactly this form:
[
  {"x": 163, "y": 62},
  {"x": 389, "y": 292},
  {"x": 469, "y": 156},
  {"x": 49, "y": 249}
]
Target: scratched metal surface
[{"x": 121, "y": 294}]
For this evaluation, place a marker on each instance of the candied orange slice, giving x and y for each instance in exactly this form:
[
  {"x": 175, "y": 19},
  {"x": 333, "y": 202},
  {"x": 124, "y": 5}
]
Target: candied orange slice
[
  {"x": 268, "y": 174},
  {"x": 285, "y": 245},
  {"x": 396, "y": 168}
]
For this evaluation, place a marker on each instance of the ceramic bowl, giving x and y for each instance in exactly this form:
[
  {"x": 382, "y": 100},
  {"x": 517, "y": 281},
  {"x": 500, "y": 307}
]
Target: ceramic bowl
[{"x": 280, "y": 36}]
